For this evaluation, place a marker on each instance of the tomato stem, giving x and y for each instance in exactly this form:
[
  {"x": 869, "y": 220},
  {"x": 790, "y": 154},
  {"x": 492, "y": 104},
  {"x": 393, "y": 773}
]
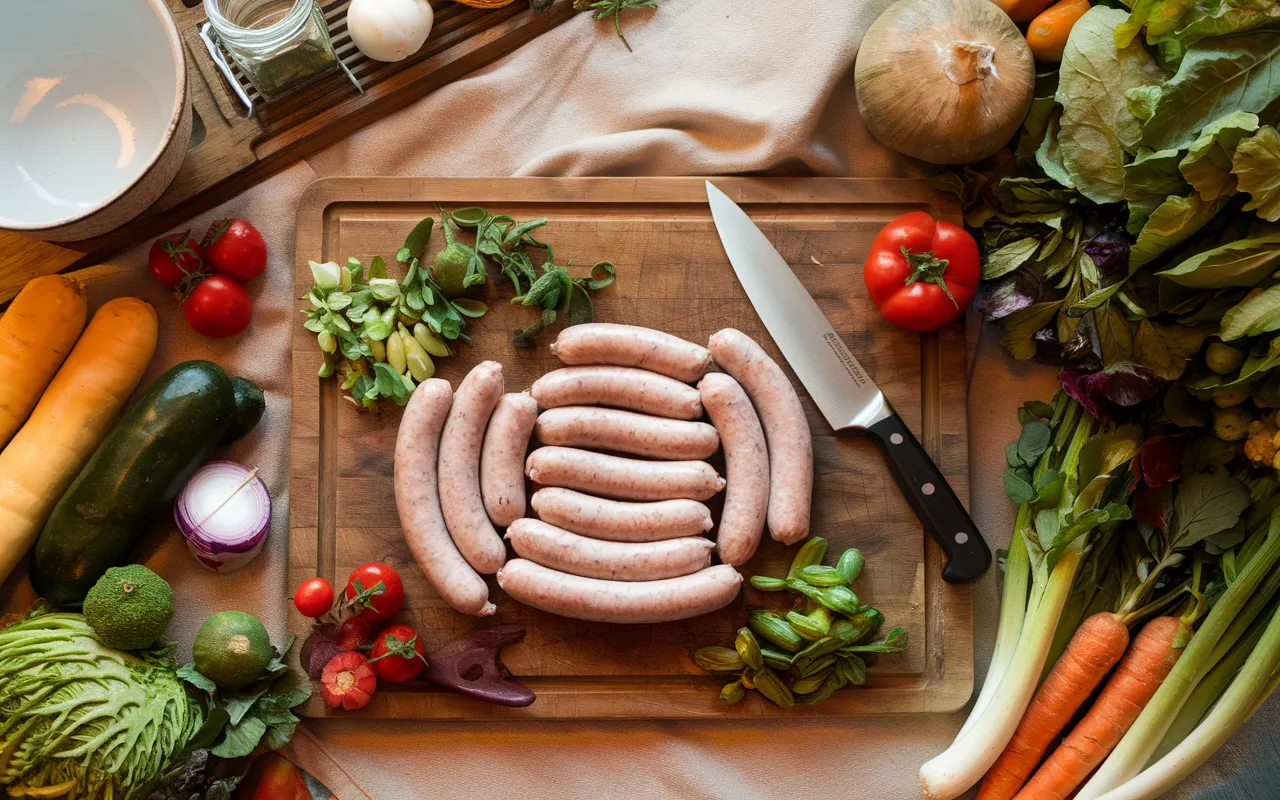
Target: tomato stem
[
  {"x": 364, "y": 597},
  {"x": 928, "y": 268}
]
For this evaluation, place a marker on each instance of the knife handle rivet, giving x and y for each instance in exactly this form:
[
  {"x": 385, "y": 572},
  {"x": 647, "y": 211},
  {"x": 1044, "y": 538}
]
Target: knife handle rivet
[
  {"x": 896, "y": 438},
  {"x": 927, "y": 489},
  {"x": 962, "y": 537}
]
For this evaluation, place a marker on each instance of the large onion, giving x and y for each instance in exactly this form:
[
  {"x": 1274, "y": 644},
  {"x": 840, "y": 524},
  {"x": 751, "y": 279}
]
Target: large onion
[{"x": 945, "y": 81}]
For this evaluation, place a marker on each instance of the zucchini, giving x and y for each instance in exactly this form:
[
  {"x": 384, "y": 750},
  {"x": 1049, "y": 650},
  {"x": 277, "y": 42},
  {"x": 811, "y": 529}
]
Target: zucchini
[
  {"x": 132, "y": 477},
  {"x": 250, "y": 403}
]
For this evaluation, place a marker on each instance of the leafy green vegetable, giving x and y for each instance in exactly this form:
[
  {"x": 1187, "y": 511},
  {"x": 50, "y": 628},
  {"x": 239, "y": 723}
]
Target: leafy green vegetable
[
  {"x": 1206, "y": 504},
  {"x": 1257, "y": 166},
  {"x": 260, "y": 712},
  {"x": 1240, "y": 263},
  {"x": 1174, "y": 25},
  {"x": 1253, "y": 316},
  {"x": 78, "y": 718},
  {"x": 1233, "y": 73},
  {"x": 1097, "y": 128},
  {"x": 1207, "y": 165}
]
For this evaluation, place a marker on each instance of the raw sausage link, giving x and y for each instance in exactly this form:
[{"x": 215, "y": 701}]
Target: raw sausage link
[
  {"x": 785, "y": 428},
  {"x": 613, "y": 561},
  {"x": 618, "y": 521},
  {"x": 622, "y": 387},
  {"x": 506, "y": 441},
  {"x": 459, "y": 472},
  {"x": 632, "y": 346},
  {"x": 627, "y": 432},
  {"x": 623, "y": 478},
  {"x": 418, "y": 501},
  {"x": 618, "y": 601},
  {"x": 746, "y": 467}
]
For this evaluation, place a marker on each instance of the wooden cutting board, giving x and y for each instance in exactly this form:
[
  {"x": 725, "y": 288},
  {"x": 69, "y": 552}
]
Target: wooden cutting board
[{"x": 672, "y": 275}]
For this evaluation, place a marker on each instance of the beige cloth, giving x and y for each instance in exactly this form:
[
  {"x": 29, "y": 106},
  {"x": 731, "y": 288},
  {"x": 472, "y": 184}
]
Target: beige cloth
[{"x": 714, "y": 86}]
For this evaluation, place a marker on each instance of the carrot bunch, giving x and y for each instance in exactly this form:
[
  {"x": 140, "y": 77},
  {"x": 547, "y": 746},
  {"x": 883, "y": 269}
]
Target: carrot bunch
[{"x": 1140, "y": 620}]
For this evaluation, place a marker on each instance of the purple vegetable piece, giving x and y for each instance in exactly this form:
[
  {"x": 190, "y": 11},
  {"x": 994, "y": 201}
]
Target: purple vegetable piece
[
  {"x": 1121, "y": 384},
  {"x": 998, "y": 299},
  {"x": 472, "y": 665},
  {"x": 1110, "y": 251},
  {"x": 319, "y": 647}
]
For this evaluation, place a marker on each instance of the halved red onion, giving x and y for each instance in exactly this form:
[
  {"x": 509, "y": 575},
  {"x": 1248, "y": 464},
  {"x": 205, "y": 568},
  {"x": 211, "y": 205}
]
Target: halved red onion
[{"x": 224, "y": 513}]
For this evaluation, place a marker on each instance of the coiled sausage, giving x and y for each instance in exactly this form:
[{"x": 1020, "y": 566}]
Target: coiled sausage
[
  {"x": 615, "y": 561},
  {"x": 459, "y": 468},
  {"x": 632, "y": 346},
  {"x": 627, "y": 432},
  {"x": 418, "y": 501},
  {"x": 618, "y": 601},
  {"x": 746, "y": 467},
  {"x": 618, "y": 521},
  {"x": 506, "y": 440},
  {"x": 621, "y": 387},
  {"x": 622, "y": 478},
  {"x": 785, "y": 428}
]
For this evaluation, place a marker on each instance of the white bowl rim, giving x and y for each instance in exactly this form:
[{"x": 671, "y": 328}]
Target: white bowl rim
[{"x": 179, "y": 103}]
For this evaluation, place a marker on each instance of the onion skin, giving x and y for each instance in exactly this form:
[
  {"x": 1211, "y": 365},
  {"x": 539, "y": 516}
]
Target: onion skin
[{"x": 944, "y": 81}]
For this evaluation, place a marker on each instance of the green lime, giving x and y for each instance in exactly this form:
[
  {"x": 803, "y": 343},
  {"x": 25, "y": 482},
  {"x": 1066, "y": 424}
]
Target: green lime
[
  {"x": 450, "y": 268},
  {"x": 232, "y": 649}
]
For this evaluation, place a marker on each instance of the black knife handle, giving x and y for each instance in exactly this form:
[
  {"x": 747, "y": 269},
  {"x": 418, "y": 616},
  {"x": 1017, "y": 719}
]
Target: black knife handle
[{"x": 933, "y": 500}]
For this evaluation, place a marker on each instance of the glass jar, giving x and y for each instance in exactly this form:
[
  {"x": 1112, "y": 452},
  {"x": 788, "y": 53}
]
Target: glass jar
[{"x": 278, "y": 44}]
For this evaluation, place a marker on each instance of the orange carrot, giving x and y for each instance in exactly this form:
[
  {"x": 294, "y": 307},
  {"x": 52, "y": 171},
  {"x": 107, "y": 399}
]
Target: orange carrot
[
  {"x": 1141, "y": 672},
  {"x": 1095, "y": 648}
]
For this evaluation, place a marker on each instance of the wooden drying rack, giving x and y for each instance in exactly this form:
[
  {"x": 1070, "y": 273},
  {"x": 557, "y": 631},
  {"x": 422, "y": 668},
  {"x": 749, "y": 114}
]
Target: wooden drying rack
[{"x": 231, "y": 152}]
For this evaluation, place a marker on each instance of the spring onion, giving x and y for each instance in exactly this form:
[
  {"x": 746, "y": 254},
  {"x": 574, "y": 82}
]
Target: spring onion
[
  {"x": 224, "y": 512},
  {"x": 1070, "y": 499}
]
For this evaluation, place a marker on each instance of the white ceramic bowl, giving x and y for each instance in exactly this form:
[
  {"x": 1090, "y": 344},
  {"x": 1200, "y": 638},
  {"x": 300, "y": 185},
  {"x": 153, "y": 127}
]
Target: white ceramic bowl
[{"x": 94, "y": 118}]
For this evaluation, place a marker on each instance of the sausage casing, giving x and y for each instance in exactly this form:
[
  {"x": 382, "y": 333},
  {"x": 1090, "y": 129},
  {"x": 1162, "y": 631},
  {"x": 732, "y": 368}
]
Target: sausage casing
[
  {"x": 746, "y": 459},
  {"x": 506, "y": 440},
  {"x": 786, "y": 430},
  {"x": 627, "y": 432},
  {"x": 568, "y": 552},
  {"x": 619, "y": 601},
  {"x": 620, "y": 387},
  {"x": 622, "y": 478},
  {"x": 418, "y": 501},
  {"x": 632, "y": 346},
  {"x": 459, "y": 468},
  {"x": 619, "y": 521}
]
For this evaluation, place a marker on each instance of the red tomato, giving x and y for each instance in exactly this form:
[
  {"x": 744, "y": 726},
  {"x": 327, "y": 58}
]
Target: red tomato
[
  {"x": 314, "y": 597},
  {"x": 353, "y": 633},
  {"x": 348, "y": 681},
  {"x": 922, "y": 272},
  {"x": 236, "y": 249},
  {"x": 174, "y": 258},
  {"x": 272, "y": 777},
  {"x": 398, "y": 655},
  {"x": 217, "y": 307},
  {"x": 375, "y": 589}
]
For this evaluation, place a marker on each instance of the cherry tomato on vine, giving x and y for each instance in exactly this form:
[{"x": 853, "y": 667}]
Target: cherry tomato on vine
[
  {"x": 217, "y": 307},
  {"x": 173, "y": 258},
  {"x": 398, "y": 655},
  {"x": 922, "y": 272},
  {"x": 353, "y": 633},
  {"x": 314, "y": 597},
  {"x": 374, "y": 589},
  {"x": 234, "y": 248}
]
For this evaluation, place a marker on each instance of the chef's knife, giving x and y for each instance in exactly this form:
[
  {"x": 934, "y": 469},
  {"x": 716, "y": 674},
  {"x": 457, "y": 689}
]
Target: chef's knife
[{"x": 841, "y": 388}]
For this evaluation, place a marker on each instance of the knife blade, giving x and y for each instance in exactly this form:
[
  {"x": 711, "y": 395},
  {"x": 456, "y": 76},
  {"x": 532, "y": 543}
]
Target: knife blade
[{"x": 843, "y": 391}]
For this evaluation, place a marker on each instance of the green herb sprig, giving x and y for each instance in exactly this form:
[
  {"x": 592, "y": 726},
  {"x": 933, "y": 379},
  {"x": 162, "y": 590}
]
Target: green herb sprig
[{"x": 613, "y": 8}]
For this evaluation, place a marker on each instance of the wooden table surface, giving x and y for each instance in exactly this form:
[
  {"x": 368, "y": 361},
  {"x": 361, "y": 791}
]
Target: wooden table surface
[{"x": 23, "y": 258}]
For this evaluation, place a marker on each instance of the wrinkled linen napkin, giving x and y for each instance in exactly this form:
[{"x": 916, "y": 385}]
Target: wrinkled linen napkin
[{"x": 713, "y": 87}]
